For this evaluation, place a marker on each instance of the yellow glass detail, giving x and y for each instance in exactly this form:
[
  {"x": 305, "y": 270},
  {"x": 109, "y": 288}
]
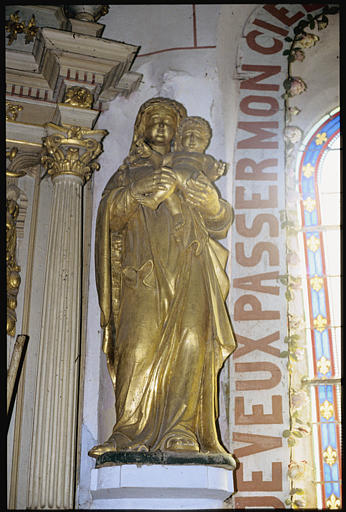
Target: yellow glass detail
[
  {"x": 327, "y": 410},
  {"x": 309, "y": 204},
  {"x": 320, "y": 324},
  {"x": 308, "y": 170},
  {"x": 313, "y": 243},
  {"x": 333, "y": 503},
  {"x": 316, "y": 283},
  {"x": 320, "y": 138},
  {"x": 323, "y": 364}
]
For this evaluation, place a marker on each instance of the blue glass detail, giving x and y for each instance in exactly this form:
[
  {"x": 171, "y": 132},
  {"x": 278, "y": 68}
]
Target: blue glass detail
[
  {"x": 335, "y": 471},
  {"x": 322, "y": 393},
  {"x": 332, "y": 434},
  {"x": 330, "y": 396},
  {"x": 318, "y": 262},
  {"x": 315, "y": 303},
  {"x": 329, "y": 489},
  {"x": 327, "y": 472},
  {"x": 311, "y": 263},
  {"x": 307, "y": 218},
  {"x": 318, "y": 344},
  {"x": 324, "y": 433},
  {"x": 325, "y": 344},
  {"x": 314, "y": 218},
  {"x": 336, "y": 489},
  {"x": 322, "y": 302}
]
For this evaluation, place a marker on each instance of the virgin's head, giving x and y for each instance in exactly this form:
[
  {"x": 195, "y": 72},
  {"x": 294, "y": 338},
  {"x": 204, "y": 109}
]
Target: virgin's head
[{"x": 157, "y": 122}]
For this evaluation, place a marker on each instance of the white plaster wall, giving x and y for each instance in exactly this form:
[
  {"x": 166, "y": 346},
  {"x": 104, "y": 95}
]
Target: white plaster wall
[{"x": 201, "y": 79}]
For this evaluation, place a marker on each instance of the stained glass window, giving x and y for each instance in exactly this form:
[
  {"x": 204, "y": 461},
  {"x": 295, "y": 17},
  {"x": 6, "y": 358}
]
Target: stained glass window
[{"x": 319, "y": 182}]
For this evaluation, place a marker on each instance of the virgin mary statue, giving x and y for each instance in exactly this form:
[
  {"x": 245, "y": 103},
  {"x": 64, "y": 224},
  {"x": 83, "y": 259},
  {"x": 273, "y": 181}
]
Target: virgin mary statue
[{"x": 166, "y": 327}]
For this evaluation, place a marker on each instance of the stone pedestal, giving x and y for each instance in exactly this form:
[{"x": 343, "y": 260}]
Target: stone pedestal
[{"x": 164, "y": 487}]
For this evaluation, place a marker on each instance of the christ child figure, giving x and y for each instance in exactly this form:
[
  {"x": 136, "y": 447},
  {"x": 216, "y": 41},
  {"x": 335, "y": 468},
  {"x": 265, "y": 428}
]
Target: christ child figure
[{"x": 189, "y": 161}]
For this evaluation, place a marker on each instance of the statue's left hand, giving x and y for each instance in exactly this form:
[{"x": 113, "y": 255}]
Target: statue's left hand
[{"x": 203, "y": 195}]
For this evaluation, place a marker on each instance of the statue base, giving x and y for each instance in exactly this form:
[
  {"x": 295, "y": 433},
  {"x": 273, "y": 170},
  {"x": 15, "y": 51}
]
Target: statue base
[{"x": 165, "y": 481}]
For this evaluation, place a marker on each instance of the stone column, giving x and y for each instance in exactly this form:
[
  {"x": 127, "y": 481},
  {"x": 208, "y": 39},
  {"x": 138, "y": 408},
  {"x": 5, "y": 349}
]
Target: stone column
[{"x": 69, "y": 156}]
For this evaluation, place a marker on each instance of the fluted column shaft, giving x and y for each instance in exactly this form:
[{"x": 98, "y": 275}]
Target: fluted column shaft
[
  {"x": 70, "y": 160},
  {"x": 52, "y": 471}
]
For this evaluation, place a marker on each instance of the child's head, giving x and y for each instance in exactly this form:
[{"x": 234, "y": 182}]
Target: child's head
[{"x": 194, "y": 134}]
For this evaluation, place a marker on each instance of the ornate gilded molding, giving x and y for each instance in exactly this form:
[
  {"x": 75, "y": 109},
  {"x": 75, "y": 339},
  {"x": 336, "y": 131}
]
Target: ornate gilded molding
[
  {"x": 68, "y": 151},
  {"x": 11, "y": 154},
  {"x": 79, "y": 97},
  {"x": 12, "y": 269},
  {"x": 22, "y": 163},
  {"x": 12, "y": 111},
  {"x": 14, "y": 26}
]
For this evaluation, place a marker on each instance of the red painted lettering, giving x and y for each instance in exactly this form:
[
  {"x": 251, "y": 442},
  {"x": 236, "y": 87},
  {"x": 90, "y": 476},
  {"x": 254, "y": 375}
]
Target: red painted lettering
[
  {"x": 266, "y": 72},
  {"x": 281, "y": 14},
  {"x": 269, "y": 26},
  {"x": 265, "y": 50},
  {"x": 257, "y": 442},
  {"x": 254, "y": 283},
  {"x": 272, "y": 102},
  {"x": 258, "y": 501},
  {"x": 257, "y": 483},
  {"x": 258, "y": 417},
  {"x": 262, "y": 344},
  {"x": 256, "y": 200},
  {"x": 264, "y": 366},
  {"x": 258, "y": 250},
  {"x": 312, "y": 7},
  {"x": 257, "y": 141},
  {"x": 258, "y": 222},
  {"x": 255, "y": 313},
  {"x": 248, "y": 169}
]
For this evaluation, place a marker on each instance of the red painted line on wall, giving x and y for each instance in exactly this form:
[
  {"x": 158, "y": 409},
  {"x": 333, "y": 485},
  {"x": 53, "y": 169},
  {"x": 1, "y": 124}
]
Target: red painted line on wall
[
  {"x": 194, "y": 47},
  {"x": 172, "y": 49},
  {"x": 194, "y": 25}
]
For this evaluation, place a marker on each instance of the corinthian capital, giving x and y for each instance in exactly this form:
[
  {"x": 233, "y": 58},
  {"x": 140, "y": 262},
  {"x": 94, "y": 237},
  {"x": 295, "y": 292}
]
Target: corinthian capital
[{"x": 72, "y": 150}]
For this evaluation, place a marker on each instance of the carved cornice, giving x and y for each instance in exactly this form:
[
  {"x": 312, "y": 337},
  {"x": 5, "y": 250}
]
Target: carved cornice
[
  {"x": 72, "y": 150},
  {"x": 61, "y": 56}
]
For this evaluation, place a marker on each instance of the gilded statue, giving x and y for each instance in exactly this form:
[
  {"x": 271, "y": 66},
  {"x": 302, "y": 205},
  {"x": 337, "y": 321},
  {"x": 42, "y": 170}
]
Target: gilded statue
[{"x": 162, "y": 286}]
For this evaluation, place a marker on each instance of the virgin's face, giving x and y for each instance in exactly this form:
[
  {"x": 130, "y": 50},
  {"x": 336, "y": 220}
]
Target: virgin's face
[{"x": 160, "y": 129}]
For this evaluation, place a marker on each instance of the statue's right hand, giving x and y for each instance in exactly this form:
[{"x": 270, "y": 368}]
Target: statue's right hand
[{"x": 158, "y": 180}]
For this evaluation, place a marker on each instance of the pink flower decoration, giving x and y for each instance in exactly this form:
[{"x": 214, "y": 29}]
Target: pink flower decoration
[
  {"x": 299, "y": 399},
  {"x": 299, "y": 55},
  {"x": 293, "y": 258},
  {"x": 299, "y": 353},
  {"x": 293, "y": 134},
  {"x": 297, "y": 86},
  {"x": 296, "y": 470}
]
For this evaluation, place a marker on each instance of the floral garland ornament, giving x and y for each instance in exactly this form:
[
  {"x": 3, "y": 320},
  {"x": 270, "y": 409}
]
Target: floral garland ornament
[{"x": 299, "y": 424}]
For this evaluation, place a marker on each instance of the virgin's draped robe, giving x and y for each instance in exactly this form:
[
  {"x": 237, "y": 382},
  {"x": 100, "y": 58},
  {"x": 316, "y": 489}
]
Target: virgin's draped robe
[{"x": 172, "y": 333}]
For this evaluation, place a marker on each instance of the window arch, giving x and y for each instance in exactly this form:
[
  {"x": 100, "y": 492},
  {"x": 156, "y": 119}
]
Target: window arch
[{"x": 319, "y": 185}]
